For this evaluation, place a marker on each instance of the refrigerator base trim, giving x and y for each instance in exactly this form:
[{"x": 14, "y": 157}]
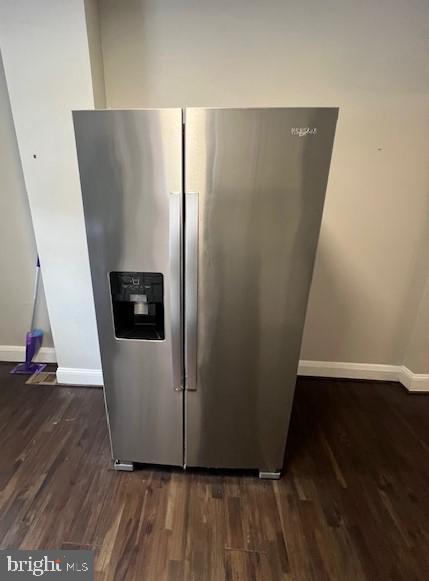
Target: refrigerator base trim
[
  {"x": 123, "y": 466},
  {"x": 269, "y": 475}
]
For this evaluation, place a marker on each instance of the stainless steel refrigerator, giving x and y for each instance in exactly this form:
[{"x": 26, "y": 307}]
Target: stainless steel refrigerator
[{"x": 202, "y": 227}]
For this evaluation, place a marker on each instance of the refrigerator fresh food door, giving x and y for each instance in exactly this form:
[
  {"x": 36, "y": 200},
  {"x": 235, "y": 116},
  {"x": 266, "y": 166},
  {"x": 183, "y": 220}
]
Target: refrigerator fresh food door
[
  {"x": 255, "y": 183},
  {"x": 131, "y": 176}
]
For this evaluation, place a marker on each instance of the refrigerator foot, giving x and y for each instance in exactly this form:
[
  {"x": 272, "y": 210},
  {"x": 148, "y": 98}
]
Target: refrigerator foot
[
  {"x": 123, "y": 466},
  {"x": 269, "y": 475}
]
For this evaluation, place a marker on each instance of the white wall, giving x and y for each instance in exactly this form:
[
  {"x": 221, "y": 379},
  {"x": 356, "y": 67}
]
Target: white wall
[
  {"x": 46, "y": 60},
  {"x": 17, "y": 247},
  {"x": 367, "y": 303},
  {"x": 416, "y": 357},
  {"x": 369, "y": 58},
  {"x": 95, "y": 53}
]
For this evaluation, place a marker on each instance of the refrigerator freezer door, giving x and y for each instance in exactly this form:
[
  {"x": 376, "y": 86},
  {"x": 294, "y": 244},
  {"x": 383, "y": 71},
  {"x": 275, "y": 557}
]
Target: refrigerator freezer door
[
  {"x": 257, "y": 180},
  {"x": 131, "y": 175}
]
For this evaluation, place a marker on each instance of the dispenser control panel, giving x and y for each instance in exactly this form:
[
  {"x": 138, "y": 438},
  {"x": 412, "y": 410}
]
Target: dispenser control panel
[{"x": 126, "y": 284}]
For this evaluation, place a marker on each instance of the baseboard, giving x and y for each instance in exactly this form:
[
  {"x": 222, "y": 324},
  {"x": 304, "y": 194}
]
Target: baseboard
[
  {"x": 348, "y": 370},
  {"x": 75, "y": 376},
  {"x": 414, "y": 382},
  {"x": 16, "y": 354}
]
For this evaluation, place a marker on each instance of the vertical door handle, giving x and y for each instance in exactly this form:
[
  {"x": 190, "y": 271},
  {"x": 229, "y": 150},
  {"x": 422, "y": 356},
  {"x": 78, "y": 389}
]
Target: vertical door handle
[
  {"x": 175, "y": 250},
  {"x": 191, "y": 290}
]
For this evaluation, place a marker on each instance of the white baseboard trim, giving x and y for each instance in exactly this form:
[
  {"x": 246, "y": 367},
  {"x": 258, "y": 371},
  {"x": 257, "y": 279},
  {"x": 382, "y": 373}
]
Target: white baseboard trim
[
  {"x": 414, "y": 382},
  {"x": 348, "y": 370},
  {"x": 75, "y": 376},
  {"x": 16, "y": 354}
]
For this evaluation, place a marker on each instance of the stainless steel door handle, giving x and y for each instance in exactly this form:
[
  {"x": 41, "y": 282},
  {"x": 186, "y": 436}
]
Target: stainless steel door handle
[
  {"x": 175, "y": 246},
  {"x": 191, "y": 290}
]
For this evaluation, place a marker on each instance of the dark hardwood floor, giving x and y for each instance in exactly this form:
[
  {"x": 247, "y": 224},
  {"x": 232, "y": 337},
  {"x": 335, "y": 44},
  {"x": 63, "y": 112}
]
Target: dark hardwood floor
[{"x": 353, "y": 502}]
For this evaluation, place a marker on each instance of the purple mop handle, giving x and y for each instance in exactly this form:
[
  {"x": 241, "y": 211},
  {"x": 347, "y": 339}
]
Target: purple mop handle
[{"x": 36, "y": 286}]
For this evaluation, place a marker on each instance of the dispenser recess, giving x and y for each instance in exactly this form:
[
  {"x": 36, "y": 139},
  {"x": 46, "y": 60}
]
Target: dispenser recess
[{"x": 138, "y": 305}]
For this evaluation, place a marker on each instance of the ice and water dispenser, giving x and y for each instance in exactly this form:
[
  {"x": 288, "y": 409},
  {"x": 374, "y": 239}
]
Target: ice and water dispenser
[{"x": 138, "y": 305}]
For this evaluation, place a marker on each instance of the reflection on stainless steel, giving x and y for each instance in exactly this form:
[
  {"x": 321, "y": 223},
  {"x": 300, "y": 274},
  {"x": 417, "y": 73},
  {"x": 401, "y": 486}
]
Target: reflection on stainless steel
[{"x": 226, "y": 279}]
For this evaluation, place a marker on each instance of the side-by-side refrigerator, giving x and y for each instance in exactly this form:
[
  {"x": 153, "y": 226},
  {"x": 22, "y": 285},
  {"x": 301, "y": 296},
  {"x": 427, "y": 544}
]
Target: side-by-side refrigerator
[{"x": 202, "y": 228}]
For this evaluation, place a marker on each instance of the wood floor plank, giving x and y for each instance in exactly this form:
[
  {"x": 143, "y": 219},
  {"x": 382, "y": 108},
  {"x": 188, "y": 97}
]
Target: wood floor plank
[{"x": 353, "y": 503}]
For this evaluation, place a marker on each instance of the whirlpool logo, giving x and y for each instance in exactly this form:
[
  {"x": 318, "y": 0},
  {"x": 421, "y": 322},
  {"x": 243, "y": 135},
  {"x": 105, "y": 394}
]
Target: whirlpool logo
[
  {"x": 21, "y": 565},
  {"x": 301, "y": 131}
]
